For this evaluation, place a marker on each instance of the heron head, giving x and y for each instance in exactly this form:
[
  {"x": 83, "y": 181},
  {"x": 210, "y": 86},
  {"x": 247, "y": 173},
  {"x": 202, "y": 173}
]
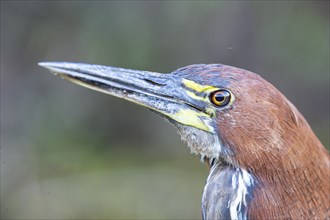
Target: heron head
[{"x": 223, "y": 113}]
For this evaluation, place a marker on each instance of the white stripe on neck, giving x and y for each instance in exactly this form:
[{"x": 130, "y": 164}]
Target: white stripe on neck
[{"x": 241, "y": 180}]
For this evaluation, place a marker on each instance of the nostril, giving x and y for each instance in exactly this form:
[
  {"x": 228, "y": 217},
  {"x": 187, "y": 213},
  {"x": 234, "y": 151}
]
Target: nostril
[{"x": 153, "y": 82}]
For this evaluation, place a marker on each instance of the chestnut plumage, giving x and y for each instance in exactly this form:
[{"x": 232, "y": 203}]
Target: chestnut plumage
[{"x": 265, "y": 161}]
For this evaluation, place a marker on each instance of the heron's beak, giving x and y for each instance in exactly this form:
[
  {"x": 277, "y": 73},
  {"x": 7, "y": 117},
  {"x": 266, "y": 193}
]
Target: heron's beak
[{"x": 166, "y": 94}]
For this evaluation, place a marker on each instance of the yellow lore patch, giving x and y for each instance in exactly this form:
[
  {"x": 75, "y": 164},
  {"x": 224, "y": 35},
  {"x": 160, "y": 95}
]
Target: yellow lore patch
[{"x": 195, "y": 86}]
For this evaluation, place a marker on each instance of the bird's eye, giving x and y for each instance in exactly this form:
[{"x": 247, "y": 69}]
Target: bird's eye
[{"x": 220, "y": 97}]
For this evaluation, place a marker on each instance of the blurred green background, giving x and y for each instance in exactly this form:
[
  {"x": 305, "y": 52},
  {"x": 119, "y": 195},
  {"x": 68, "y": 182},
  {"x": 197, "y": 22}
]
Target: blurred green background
[{"x": 69, "y": 152}]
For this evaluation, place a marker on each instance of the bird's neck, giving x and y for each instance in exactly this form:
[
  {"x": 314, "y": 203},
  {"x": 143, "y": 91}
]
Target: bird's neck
[
  {"x": 294, "y": 189},
  {"x": 283, "y": 192},
  {"x": 292, "y": 183}
]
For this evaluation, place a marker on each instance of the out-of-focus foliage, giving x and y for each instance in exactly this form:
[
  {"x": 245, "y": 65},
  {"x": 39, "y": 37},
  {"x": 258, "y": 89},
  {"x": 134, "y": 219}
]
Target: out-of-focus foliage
[{"x": 68, "y": 152}]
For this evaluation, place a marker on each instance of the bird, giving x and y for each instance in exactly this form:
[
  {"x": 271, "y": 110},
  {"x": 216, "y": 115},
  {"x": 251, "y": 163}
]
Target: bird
[{"x": 265, "y": 162}]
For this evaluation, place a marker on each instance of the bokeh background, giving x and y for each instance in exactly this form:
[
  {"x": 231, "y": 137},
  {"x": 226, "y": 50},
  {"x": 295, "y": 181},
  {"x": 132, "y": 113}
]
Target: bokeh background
[{"x": 69, "y": 152}]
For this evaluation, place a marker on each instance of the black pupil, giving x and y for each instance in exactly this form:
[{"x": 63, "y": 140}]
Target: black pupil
[{"x": 220, "y": 97}]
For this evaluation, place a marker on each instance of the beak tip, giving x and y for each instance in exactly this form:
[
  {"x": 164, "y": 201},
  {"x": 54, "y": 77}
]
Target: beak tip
[
  {"x": 62, "y": 65},
  {"x": 49, "y": 64},
  {"x": 53, "y": 67},
  {"x": 43, "y": 64}
]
